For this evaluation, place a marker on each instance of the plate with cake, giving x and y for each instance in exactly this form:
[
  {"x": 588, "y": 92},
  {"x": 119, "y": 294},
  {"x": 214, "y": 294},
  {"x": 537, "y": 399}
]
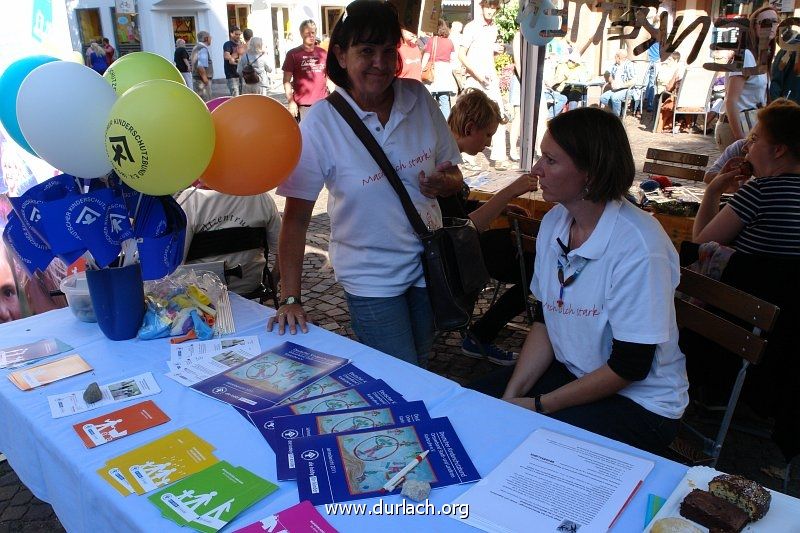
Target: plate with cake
[{"x": 709, "y": 500}]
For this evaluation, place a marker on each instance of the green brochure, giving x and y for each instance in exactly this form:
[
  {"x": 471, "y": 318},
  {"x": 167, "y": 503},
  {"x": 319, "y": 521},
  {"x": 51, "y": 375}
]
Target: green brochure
[{"x": 209, "y": 499}]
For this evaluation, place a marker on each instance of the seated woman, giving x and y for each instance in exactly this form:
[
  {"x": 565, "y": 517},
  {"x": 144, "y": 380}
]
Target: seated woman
[
  {"x": 763, "y": 217},
  {"x": 603, "y": 350},
  {"x": 473, "y": 121}
]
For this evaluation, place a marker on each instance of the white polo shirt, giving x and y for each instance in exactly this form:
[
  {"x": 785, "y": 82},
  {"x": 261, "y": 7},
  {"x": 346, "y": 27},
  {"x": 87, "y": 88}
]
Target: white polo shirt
[
  {"x": 373, "y": 248},
  {"x": 624, "y": 291}
]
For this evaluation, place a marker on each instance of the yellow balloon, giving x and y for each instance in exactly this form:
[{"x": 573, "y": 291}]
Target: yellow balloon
[
  {"x": 137, "y": 67},
  {"x": 159, "y": 137},
  {"x": 75, "y": 57}
]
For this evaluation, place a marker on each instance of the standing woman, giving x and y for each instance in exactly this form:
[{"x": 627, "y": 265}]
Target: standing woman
[
  {"x": 96, "y": 59},
  {"x": 748, "y": 89},
  {"x": 603, "y": 351},
  {"x": 373, "y": 249},
  {"x": 255, "y": 56},
  {"x": 440, "y": 49}
]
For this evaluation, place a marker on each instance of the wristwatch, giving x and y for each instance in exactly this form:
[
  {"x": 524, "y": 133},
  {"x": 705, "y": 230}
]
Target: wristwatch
[
  {"x": 291, "y": 300},
  {"x": 537, "y": 404}
]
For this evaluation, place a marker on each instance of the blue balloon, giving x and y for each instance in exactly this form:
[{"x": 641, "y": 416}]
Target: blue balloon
[
  {"x": 533, "y": 20},
  {"x": 9, "y": 88}
]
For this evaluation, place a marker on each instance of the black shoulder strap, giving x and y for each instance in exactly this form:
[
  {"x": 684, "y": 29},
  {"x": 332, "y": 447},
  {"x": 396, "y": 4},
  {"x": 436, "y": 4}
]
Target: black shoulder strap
[{"x": 377, "y": 153}]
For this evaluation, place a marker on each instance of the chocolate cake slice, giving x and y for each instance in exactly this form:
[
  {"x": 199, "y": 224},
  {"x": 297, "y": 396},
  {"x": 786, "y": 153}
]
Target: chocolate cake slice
[
  {"x": 713, "y": 512},
  {"x": 745, "y": 494}
]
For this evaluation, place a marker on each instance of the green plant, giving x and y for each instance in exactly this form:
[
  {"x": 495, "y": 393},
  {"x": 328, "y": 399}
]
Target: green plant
[
  {"x": 506, "y": 20},
  {"x": 502, "y": 60}
]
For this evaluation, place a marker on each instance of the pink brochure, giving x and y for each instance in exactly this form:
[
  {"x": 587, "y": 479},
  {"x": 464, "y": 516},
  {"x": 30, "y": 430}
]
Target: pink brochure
[{"x": 300, "y": 518}]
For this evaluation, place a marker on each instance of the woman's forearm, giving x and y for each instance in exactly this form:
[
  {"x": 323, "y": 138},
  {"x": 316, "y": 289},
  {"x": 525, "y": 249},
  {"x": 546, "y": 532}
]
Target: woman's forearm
[
  {"x": 593, "y": 386},
  {"x": 535, "y": 358},
  {"x": 292, "y": 244}
]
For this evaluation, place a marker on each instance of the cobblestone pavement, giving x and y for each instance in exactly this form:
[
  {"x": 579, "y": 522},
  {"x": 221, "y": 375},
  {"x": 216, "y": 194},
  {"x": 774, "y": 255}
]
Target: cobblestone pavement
[{"x": 743, "y": 453}]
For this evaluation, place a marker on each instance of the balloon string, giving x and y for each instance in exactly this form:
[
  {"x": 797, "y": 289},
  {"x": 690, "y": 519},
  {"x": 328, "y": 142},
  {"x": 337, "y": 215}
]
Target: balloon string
[
  {"x": 194, "y": 190},
  {"x": 136, "y": 211}
]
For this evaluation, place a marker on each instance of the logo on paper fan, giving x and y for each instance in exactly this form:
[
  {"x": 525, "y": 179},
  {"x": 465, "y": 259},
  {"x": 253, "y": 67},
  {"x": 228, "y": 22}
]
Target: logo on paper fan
[{"x": 309, "y": 455}]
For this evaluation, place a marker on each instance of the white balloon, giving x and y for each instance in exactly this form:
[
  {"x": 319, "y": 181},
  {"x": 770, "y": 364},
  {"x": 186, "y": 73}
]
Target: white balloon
[{"x": 62, "y": 113}]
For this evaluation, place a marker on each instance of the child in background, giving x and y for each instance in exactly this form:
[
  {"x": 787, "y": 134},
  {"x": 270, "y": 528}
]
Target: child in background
[{"x": 473, "y": 121}]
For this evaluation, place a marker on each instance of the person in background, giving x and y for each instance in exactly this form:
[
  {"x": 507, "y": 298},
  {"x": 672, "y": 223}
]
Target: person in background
[
  {"x": 304, "y": 79},
  {"x": 619, "y": 78},
  {"x": 763, "y": 217},
  {"x": 444, "y": 84},
  {"x": 209, "y": 210},
  {"x": 478, "y": 47},
  {"x": 456, "y": 29},
  {"x": 735, "y": 150},
  {"x": 96, "y": 58},
  {"x": 602, "y": 353},
  {"x": 567, "y": 76},
  {"x": 555, "y": 100},
  {"x": 747, "y": 89},
  {"x": 202, "y": 66},
  {"x": 230, "y": 53},
  {"x": 473, "y": 122},
  {"x": 668, "y": 80},
  {"x": 9, "y": 297},
  {"x": 247, "y": 34},
  {"x": 374, "y": 250},
  {"x": 514, "y": 94},
  {"x": 785, "y": 79},
  {"x": 182, "y": 63},
  {"x": 109, "y": 50},
  {"x": 411, "y": 56},
  {"x": 256, "y": 56}
]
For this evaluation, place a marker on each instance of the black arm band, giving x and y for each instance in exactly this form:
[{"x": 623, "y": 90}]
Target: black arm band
[
  {"x": 538, "y": 314},
  {"x": 630, "y": 360}
]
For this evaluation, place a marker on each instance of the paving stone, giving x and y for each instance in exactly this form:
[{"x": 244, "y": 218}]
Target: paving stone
[
  {"x": 40, "y": 511},
  {"x": 13, "y": 512},
  {"x": 22, "y": 497},
  {"x": 8, "y": 492}
]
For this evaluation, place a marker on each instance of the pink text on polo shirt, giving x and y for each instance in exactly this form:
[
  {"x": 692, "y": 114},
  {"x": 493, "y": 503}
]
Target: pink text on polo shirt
[
  {"x": 412, "y": 162},
  {"x": 568, "y": 310}
]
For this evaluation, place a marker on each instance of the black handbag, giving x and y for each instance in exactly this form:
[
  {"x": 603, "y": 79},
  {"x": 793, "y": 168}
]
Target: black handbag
[{"x": 451, "y": 257}]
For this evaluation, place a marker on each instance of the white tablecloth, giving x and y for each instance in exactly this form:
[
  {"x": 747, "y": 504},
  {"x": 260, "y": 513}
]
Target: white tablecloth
[{"x": 52, "y": 461}]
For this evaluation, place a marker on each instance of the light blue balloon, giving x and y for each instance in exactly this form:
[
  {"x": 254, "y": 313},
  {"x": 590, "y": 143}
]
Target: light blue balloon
[
  {"x": 9, "y": 88},
  {"x": 533, "y": 20}
]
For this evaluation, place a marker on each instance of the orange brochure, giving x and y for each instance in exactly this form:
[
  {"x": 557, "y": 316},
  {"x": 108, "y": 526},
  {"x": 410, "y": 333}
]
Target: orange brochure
[
  {"x": 120, "y": 423},
  {"x": 39, "y": 375}
]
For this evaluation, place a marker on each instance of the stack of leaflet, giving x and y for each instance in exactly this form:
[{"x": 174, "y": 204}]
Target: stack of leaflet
[
  {"x": 346, "y": 435},
  {"x": 194, "y": 362},
  {"x": 24, "y": 354},
  {"x": 206, "y": 493}
]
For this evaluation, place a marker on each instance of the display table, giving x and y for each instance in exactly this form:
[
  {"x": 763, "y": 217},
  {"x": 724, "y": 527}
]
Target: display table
[{"x": 51, "y": 460}]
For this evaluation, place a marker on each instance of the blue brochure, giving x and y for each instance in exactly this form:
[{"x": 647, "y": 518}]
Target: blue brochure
[
  {"x": 266, "y": 379},
  {"x": 368, "y": 394},
  {"x": 290, "y": 428},
  {"x": 341, "y": 378},
  {"x": 353, "y": 466}
]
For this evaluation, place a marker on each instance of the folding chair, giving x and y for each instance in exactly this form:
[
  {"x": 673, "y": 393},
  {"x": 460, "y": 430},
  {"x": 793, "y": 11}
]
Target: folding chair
[
  {"x": 523, "y": 233},
  {"x": 737, "y": 322},
  {"x": 694, "y": 94},
  {"x": 680, "y": 165},
  {"x": 231, "y": 240}
]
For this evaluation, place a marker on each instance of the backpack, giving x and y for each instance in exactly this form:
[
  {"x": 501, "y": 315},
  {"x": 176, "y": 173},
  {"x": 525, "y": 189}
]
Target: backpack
[{"x": 249, "y": 74}]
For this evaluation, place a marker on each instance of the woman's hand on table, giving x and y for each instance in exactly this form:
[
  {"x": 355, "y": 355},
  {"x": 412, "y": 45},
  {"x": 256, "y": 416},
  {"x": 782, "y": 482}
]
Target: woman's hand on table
[
  {"x": 439, "y": 183},
  {"x": 292, "y": 315},
  {"x": 524, "y": 402}
]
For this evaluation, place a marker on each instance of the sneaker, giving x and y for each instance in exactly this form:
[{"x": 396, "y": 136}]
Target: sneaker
[{"x": 493, "y": 353}]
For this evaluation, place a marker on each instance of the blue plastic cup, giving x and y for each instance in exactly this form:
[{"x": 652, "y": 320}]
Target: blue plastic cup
[{"x": 118, "y": 300}]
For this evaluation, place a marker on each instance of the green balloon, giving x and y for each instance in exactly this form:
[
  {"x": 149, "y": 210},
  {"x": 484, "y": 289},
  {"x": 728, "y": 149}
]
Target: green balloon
[
  {"x": 137, "y": 67},
  {"x": 159, "y": 137}
]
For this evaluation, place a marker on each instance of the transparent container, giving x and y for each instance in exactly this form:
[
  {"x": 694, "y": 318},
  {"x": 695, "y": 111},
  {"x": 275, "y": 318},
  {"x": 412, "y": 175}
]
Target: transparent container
[{"x": 77, "y": 292}]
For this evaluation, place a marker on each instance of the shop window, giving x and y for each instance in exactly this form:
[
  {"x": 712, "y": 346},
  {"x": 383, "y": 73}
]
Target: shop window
[
  {"x": 89, "y": 25},
  {"x": 184, "y": 28}
]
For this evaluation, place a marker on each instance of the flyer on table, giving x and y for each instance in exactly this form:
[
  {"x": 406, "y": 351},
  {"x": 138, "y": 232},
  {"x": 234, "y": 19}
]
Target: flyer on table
[
  {"x": 208, "y": 500},
  {"x": 341, "y": 378},
  {"x": 553, "y": 482},
  {"x": 36, "y": 376},
  {"x": 158, "y": 463},
  {"x": 365, "y": 395},
  {"x": 188, "y": 350},
  {"x": 270, "y": 377},
  {"x": 120, "y": 423},
  {"x": 23, "y": 353},
  {"x": 290, "y": 428},
  {"x": 203, "y": 367},
  {"x": 300, "y": 518},
  {"x": 353, "y": 466},
  {"x": 124, "y": 390}
]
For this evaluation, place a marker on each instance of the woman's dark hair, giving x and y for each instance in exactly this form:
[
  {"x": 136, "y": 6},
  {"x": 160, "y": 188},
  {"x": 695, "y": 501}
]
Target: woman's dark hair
[
  {"x": 364, "y": 21},
  {"x": 444, "y": 29},
  {"x": 598, "y": 145},
  {"x": 778, "y": 124}
]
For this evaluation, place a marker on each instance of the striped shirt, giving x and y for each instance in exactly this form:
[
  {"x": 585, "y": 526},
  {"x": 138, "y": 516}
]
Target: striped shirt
[{"x": 770, "y": 211}]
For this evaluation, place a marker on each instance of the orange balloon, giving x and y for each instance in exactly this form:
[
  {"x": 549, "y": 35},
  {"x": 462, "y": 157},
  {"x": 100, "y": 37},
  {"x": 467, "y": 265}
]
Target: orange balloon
[{"x": 257, "y": 146}]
